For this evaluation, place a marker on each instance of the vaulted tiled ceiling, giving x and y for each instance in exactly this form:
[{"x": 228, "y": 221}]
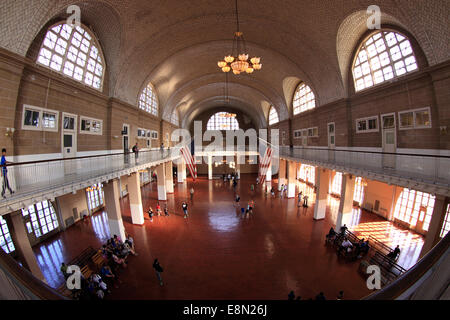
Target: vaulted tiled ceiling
[{"x": 176, "y": 45}]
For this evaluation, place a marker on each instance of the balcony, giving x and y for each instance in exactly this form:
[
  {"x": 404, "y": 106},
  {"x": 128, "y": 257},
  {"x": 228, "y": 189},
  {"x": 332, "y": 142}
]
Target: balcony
[
  {"x": 424, "y": 172},
  {"x": 40, "y": 180}
]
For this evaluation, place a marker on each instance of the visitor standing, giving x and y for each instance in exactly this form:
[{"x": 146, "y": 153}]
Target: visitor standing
[
  {"x": 150, "y": 214},
  {"x": 184, "y": 206},
  {"x": 192, "y": 193},
  {"x": 136, "y": 151},
  {"x": 166, "y": 211},
  {"x": 5, "y": 174}
]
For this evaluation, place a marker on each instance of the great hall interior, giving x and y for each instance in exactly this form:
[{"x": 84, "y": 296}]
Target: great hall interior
[{"x": 117, "y": 184}]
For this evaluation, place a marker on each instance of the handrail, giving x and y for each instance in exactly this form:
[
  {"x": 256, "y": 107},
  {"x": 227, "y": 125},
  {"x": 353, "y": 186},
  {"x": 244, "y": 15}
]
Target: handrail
[
  {"x": 372, "y": 152},
  {"x": 79, "y": 158},
  {"x": 26, "y": 281},
  {"x": 409, "y": 278}
]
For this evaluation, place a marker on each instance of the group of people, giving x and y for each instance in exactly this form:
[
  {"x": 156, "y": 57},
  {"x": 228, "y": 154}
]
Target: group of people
[
  {"x": 115, "y": 253},
  {"x": 158, "y": 211},
  {"x": 184, "y": 207},
  {"x": 345, "y": 246}
]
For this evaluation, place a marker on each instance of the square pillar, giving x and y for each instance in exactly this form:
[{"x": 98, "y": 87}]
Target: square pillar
[
  {"x": 112, "y": 204},
  {"x": 269, "y": 173},
  {"x": 282, "y": 174},
  {"x": 181, "y": 175},
  {"x": 210, "y": 167},
  {"x": 437, "y": 219},
  {"x": 23, "y": 246},
  {"x": 169, "y": 176},
  {"x": 346, "y": 203},
  {"x": 134, "y": 190},
  {"x": 323, "y": 178},
  {"x": 292, "y": 172},
  {"x": 161, "y": 175}
]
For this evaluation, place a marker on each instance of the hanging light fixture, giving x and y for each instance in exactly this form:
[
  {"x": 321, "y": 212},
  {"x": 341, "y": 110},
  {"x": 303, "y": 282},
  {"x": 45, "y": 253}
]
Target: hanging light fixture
[{"x": 238, "y": 61}]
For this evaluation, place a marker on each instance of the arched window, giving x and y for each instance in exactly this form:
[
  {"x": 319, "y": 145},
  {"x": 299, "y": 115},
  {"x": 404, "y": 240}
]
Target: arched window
[
  {"x": 304, "y": 99},
  {"x": 148, "y": 100},
  {"x": 223, "y": 121},
  {"x": 273, "y": 116},
  {"x": 73, "y": 52},
  {"x": 174, "y": 119},
  {"x": 6, "y": 242},
  {"x": 383, "y": 56}
]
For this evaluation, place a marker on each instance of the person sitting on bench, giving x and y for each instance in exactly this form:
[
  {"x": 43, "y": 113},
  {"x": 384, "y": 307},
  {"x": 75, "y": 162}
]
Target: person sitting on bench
[{"x": 346, "y": 245}]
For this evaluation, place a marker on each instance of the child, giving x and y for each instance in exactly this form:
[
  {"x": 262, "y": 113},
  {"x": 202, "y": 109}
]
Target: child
[{"x": 150, "y": 214}]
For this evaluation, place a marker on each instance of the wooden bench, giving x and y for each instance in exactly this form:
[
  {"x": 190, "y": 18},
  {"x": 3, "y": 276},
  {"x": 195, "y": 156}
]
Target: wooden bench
[{"x": 98, "y": 260}]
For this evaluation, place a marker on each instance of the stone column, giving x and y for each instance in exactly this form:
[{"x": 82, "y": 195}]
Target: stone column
[
  {"x": 181, "y": 174},
  {"x": 282, "y": 174},
  {"x": 346, "y": 203},
  {"x": 161, "y": 175},
  {"x": 112, "y": 204},
  {"x": 323, "y": 178},
  {"x": 292, "y": 171},
  {"x": 134, "y": 189},
  {"x": 23, "y": 246},
  {"x": 210, "y": 167},
  {"x": 169, "y": 176},
  {"x": 437, "y": 219}
]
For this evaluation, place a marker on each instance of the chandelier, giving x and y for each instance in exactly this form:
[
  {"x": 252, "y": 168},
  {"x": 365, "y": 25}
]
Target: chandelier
[{"x": 238, "y": 60}]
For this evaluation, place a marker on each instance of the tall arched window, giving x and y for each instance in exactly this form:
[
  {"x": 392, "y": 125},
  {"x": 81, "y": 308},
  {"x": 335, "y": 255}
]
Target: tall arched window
[
  {"x": 74, "y": 52},
  {"x": 174, "y": 119},
  {"x": 223, "y": 121},
  {"x": 304, "y": 99},
  {"x": 415, "y": 207},
  {"x": 148, "y": 100},
  {"x": 383, "y": 56},
  {"x": 273, "y": 116}
]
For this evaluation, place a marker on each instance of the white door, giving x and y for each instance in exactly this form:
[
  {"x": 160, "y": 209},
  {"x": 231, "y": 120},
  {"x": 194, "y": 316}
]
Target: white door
[
  {"x": 389, "y": 136},
  {"x": 69, "y": 141},
  {"x": 331, "y": 129},
  {"x": 69, "y": 135},
  {"x": 125, "y": 142}
]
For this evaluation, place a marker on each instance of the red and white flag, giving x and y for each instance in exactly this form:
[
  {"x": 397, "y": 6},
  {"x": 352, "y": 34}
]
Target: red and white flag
[
  {"x": 190, "y": 161},
  {"x": 265, "y": 163}
]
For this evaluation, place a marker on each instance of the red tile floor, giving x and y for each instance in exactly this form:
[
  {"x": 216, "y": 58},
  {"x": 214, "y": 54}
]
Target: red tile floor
[{"x": 217, "y": 254}]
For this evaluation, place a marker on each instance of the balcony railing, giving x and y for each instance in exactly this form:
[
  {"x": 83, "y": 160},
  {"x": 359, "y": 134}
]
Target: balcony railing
[
  {"x": 31, "y": 177},
  {"x": 426, "y": 168}
]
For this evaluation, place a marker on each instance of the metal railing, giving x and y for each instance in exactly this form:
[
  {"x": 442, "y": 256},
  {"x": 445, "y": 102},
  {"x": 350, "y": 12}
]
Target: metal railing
[
  {"x": 433, "y": 169},
  {"x": 29, "y": 177}
]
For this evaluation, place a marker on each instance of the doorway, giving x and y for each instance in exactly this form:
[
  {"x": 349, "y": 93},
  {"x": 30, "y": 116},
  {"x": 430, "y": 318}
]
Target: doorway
[
  {"x": 69, "y": 141},
  {"x": 331, "y": 141},
  {"x": 389, "y": 137}
]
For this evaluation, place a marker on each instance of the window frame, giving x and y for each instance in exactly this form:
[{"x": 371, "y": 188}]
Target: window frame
[
  {"x": 367, "y": 119},
  {"x": 154, "y": 135},
  {"x": 300, "y": 105},
  {"x": 94, "y": 42},
  {"x": 270, "y": 113},
  {"x": 217, "y": 122},
  {"x": 91, "y": 132},
  {"x": 414, "y": 125},
  {"x": 41, "y": 112},
  {"x": 149, "y": 108},
  {"x": 391, "y": 63}
]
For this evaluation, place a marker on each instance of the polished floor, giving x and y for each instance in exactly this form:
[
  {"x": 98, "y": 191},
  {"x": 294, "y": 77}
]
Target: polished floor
[{"x": 219, "y": 254}]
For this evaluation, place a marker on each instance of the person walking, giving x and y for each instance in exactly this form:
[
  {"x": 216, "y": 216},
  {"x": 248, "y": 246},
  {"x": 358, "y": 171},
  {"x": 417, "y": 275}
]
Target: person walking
[
  {"x": 184, "y": 206},
  {"x": 166, "y": 211},
  {"x": 238, "y": 199},
  {"x": 252, "y": 188},
  {"x": 150, "y": 214},
  {"x": 299, "y": 198},
  {"x": 192, "y": 193},
  {"x": 158, "y": 270},
  {"x": 158, "y": 209},
  {"x": 5, "y": 184},
  {"x": 136, "y": 151},
  {"x": 282, "y": 191}
]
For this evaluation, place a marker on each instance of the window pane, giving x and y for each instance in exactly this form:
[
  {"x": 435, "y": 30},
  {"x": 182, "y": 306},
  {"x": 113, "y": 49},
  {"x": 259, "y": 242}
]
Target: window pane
[
  {"x": 423, "y": 118},
  {"x": 62, "y": 42}
]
